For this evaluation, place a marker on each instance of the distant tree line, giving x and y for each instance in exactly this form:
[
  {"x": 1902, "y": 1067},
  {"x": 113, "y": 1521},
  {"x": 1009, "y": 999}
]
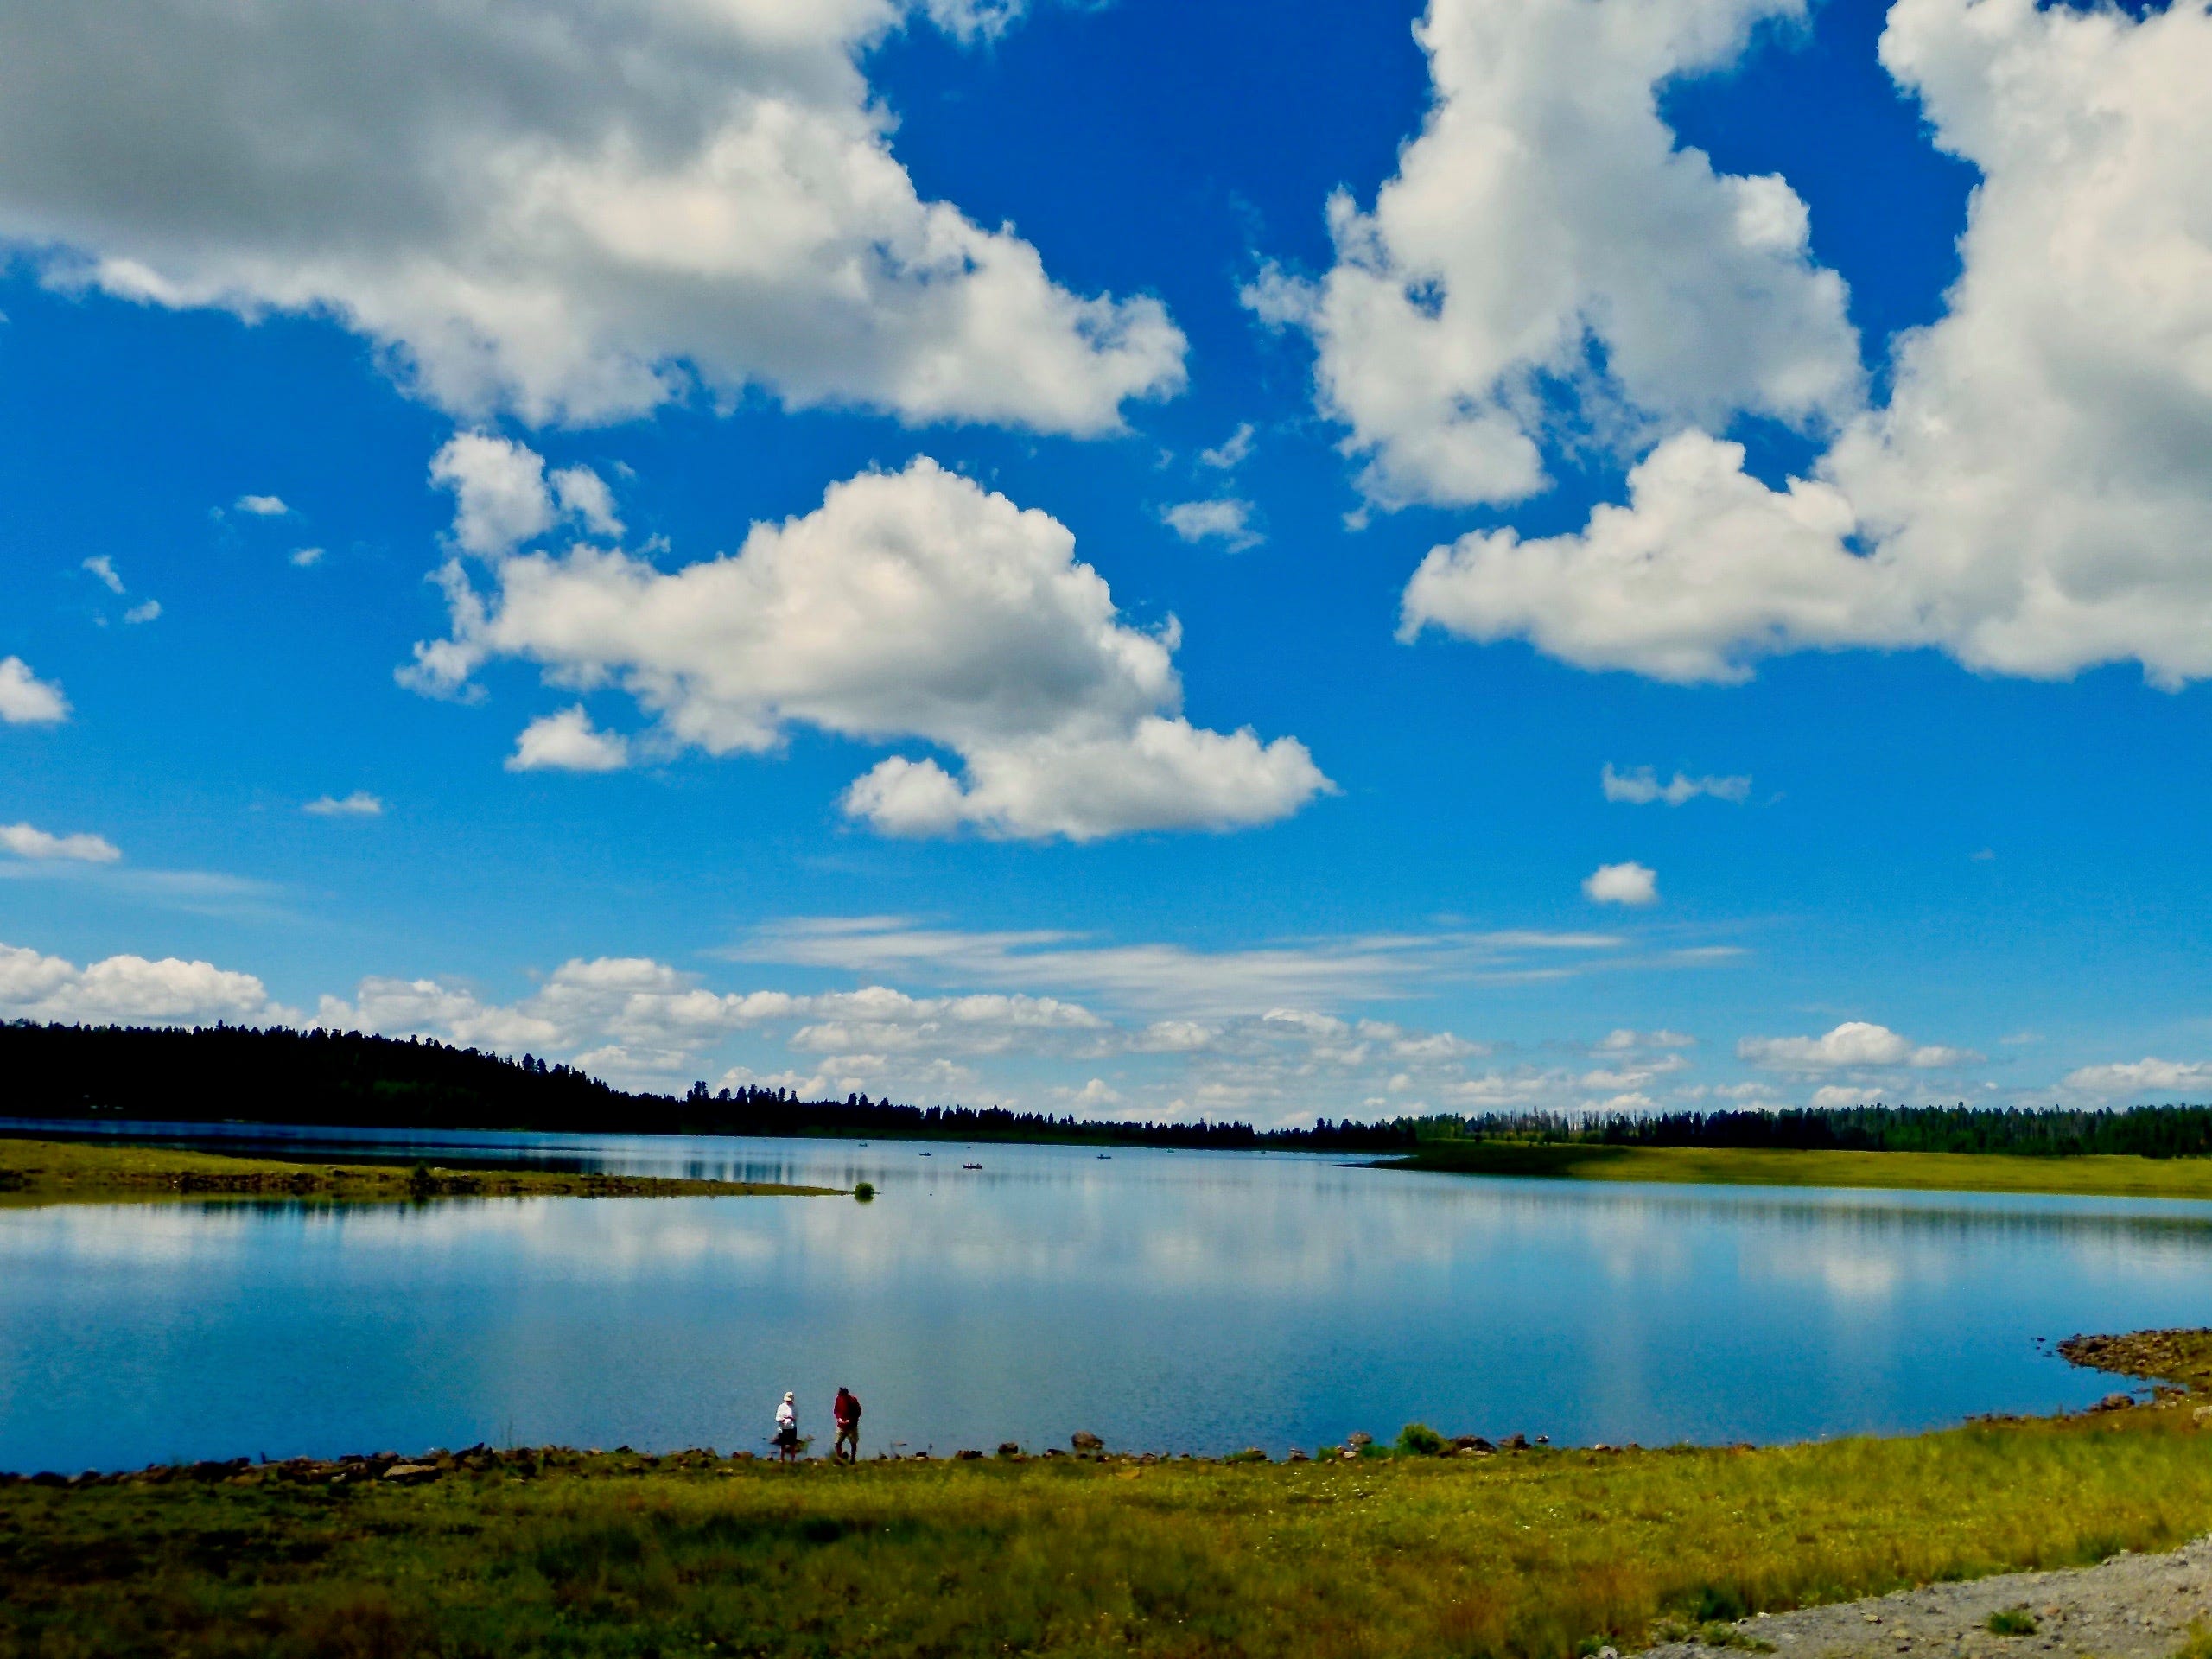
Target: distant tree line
[
  {"x": 221, "y": 1073},
  {"x": 2176, "y": 1131}
]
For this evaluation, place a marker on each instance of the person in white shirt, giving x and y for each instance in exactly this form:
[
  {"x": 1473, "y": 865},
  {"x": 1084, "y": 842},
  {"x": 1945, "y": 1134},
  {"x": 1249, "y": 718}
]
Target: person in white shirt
[{"x": 787, "y": 1429}]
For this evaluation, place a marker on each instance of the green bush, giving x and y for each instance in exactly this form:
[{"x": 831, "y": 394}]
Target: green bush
[
  {"x": 1420, "y": 1441},
  {"x": 1718, "y": 1601},
  {"x": 865, "y": 1192},
  {"x": 2013, "y": 1621}
]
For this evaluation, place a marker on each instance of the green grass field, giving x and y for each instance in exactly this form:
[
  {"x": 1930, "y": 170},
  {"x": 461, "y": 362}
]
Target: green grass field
[
  {"x": 1541, "y": 1554},
  {"x": 62, "y": 1172},
  {"x": 2103, "y": 1176}
]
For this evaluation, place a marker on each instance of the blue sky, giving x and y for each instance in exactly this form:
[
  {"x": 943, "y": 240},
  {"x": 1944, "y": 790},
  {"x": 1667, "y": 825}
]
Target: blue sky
[{"x": 1101, "y": 557}]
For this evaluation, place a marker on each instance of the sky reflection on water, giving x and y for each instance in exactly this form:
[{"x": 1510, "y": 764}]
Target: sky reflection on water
[{"x": 1165, "y": 1300}]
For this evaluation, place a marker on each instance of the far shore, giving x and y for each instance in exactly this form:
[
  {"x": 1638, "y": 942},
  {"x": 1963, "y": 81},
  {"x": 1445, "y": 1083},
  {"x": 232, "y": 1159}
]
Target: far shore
[
  {"x": 75, "y": 1171},
  {"x": 2084, "y": 1175},
  {"x": 86, "y": 1170}
]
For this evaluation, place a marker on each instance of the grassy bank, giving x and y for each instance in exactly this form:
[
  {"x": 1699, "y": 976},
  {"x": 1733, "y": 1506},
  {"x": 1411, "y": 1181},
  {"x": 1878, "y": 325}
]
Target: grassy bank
[
  {"x": 1540, "y": 1553},
  {"x": 59, "y": 1172},
  {"x": 2102, "y": 1176}
]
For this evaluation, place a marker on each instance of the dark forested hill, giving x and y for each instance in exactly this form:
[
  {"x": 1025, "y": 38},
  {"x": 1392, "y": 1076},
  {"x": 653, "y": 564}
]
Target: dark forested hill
[{"x": 219, "y": 1073}]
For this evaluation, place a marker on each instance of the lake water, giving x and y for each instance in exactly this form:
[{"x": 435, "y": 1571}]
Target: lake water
[{"x": 1166, "y": 1300}]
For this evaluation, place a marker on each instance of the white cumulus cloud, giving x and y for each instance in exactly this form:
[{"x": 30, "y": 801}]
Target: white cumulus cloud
[
  {"x": 567, "y": 741},
  {"x": 2143, "y": 1081},
  {"x": 1631, "y": 884},
  {"x": 263, "y": 506},
  {"x": 1546, "y": 229},
  {"x": 1703, "y": 570},
  {"x": 1855, "y": 1043},
  {"x": 102, "y": 571},
  {"x": 24, "y": 841},
  {"x": 572, "y": 209},
  {"x": 910, "y": 605},
  {"x": 503, "y": 497},
  {"x": 128, "y": 990},
  {"x": 2032, "y": 499},
  {"x": 26, "y": 700}
]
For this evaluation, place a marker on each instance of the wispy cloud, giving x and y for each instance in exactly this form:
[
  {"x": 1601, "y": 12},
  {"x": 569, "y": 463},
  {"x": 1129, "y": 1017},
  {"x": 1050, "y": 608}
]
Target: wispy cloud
[
  {"x": 360, "y": 804},
  {"x": 1640, "y": 786},
  {"x": 263, "y": 506},
  {"x": 1299, "y": 973},
  {"x": 198, "y": 892},
  {"x": 1226, "y": 520},
  {"x": 1232, "y": 452}
]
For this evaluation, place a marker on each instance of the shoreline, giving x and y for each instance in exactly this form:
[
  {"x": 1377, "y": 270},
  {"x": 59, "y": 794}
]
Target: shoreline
[
  {"x": 2173, "y": 1365},
  {"x": 1539, "y": 1553}
]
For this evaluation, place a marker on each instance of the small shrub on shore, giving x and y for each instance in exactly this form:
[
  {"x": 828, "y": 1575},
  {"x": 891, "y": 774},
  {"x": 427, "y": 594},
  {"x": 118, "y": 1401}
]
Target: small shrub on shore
[
  {"x": 1719, "y": 1602},
  {"x": 1420, "y": 1441},
  {"x": 2013, "y": 1621}
]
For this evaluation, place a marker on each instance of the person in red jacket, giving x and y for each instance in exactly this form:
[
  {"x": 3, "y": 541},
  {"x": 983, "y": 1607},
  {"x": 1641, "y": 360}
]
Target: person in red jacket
[{"x": 847, "y": 1413}]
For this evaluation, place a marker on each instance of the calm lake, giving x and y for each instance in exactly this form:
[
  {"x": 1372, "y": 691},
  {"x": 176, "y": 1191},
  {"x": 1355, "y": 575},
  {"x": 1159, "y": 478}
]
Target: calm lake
[{"x": 1166, "y": 1300}]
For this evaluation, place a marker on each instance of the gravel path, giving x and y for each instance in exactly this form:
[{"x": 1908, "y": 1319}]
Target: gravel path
[{"x": 2130, "y": 1607}]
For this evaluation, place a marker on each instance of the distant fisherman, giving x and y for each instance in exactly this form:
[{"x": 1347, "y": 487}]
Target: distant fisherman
[
  {"x": 787, "y": 1430},
  {"x": 846, "y": 1411}
]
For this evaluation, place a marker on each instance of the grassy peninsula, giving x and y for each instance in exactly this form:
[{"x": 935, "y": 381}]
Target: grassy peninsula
[
  {"x": 1534, "y": 1555},
  {"x": 2103, "y": 1175},
  {"x": 61, "y": 1172}
]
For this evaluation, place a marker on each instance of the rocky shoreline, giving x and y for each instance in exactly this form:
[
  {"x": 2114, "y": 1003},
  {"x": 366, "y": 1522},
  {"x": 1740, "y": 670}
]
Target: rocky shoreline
[{"x": 530, "y": 1462}]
